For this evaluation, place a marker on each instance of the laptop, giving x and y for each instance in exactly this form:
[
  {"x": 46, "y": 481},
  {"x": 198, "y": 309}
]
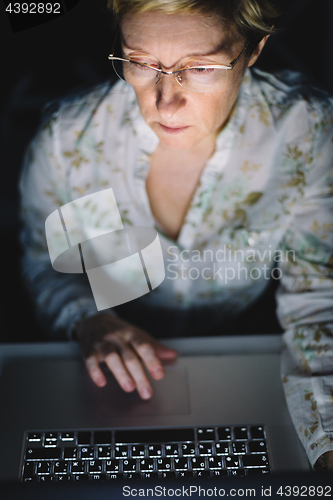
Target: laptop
[{"x": 213, "y": 415}]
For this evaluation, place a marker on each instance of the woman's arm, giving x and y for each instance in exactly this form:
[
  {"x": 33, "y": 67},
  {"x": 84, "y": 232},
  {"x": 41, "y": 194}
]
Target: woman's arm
[
  {"x": 65, "y": 304},
  {"x": 305, "y": 303},
  {"x": 61, "y": 299}
]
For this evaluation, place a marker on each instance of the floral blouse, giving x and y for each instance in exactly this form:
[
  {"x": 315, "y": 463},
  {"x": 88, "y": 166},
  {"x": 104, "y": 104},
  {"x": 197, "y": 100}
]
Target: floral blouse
[{"x": 262, "y": 210}]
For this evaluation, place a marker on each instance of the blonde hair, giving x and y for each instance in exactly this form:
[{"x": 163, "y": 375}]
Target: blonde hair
[{"x": 253, "y": 19}]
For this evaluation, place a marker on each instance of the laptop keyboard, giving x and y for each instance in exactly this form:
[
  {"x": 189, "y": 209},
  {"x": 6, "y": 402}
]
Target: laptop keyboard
[{"x": 107, "y": 455}]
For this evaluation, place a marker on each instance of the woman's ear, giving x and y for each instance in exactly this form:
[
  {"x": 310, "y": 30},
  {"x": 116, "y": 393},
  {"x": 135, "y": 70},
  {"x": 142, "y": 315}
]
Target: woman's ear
[{"x": 257, "y": 51}]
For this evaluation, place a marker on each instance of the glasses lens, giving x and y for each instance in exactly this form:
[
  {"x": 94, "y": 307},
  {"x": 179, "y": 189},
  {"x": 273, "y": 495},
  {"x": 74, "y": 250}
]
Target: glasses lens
[
  {"x": 118, "y": 69},
  {"x": 202, "y": 79},
  {"x": 135, "y": 74}
]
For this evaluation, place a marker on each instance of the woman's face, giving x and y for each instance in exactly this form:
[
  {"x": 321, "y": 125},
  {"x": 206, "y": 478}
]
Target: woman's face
[{"x": 183, "y": 119}]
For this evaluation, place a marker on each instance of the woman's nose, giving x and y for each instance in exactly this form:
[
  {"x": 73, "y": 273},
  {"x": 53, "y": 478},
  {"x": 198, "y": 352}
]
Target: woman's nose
[{"x": 170, "y": 96}]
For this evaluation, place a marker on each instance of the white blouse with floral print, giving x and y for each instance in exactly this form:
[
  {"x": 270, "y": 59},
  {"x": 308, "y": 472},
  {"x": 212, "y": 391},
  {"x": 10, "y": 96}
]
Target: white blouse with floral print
[{"x": 264, "y": 201}]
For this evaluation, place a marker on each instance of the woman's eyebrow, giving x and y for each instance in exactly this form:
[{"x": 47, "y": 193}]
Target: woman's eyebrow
[{"x": 221, "y": 48}]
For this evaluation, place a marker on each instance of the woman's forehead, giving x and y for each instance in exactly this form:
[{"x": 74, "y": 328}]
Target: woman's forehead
[{"x": 171, "y": 34}]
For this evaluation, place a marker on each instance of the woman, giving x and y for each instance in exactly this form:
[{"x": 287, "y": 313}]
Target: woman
[{"x": 231, "y": 165}]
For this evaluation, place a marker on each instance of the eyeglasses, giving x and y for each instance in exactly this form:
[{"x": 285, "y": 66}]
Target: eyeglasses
[{"x": 197, "y": 75}]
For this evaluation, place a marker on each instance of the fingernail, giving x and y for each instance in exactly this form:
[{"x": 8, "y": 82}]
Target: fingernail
[
  {"x": 158, "y": 372},
  {"x": 146, "y": 393}
]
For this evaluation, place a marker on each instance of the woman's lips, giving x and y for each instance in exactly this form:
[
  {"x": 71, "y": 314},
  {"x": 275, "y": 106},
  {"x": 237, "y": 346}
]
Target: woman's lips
[{"x": 173, "y": 130}]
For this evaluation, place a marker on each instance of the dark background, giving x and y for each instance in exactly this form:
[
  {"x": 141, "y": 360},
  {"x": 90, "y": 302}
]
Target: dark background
[{"x": 44, "y": 62}]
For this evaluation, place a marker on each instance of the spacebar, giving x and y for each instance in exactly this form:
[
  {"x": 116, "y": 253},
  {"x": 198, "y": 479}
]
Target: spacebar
[{"x": 154, "y": 435}]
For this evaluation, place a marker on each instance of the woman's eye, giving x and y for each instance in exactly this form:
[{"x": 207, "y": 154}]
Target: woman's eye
[{"x": 203, "y": 70}]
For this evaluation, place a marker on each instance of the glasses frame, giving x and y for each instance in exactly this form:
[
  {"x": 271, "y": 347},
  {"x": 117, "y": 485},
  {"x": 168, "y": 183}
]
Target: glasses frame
[{"x": 177, "y": 73}]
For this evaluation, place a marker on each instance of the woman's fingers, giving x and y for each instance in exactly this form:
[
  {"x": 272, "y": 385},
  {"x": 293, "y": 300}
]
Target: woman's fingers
[
  {"x": 95, "y": 372},
  {"x": 115, "y": 364},
  {"x": 135, "y": 368},
  {"x": 164, "y": 352},
  {"x": 149, "y": 357},
  {"x": 126, "y": 350}
]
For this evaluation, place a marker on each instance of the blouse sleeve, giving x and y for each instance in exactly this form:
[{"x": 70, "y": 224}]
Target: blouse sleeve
[
  {"x": 305, "y": 299},
  {"x": 61, "y": 299}
]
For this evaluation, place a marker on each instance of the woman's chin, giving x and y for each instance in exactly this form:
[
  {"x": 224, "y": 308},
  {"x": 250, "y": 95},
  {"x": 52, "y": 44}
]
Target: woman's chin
[{"x": 177, "y": 142}]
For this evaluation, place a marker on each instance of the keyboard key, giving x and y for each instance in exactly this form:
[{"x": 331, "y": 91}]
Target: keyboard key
[
  {"x": 104, "y": 452},
  {"x": 219, "y": 473},
  {"x": 81, "y": 477},
  {"x": 238, "y": 448},
  {"x": 70, "y": 453},
  {"x": 78, "y": 466},
  {"x": 43, "y": 453},
  {"x": 222, "y": 448},
  {"x": 102, "y": 437},
  {"x": 95, "y": 466},
  {"x": 224, "y": 433},
  {"x": 29, "y": 468},
  {"x": 67, "y": 436},
  {"x": 257, "y": 447},
  {"x": 34, "y": 437},
  {"x": 180, "y": 463},
  {"x": 231, "y": 462},
  {"x": 257, "y": 472},
  {"x": 147, "y": 465},
  {"x": 240, "y": 433},
  {"x": 63, "y": 478},
  {"x": 138, "y": 451},
  {"x": 46, "y": 478},
  {"x": 198, "y": 463},
  {"x": 87, "y": 452},
  {"x": 171, "y": 450},
  {"x": 116, "y": 476},
  {"x": 205, "y": 449},
  {"x": 215, "y": 463},
  {"x": 163, "y": 464},
  {"x": 257, "y": 432},
  {"x": 154, "y": 450},
  {"x": 169, "y": 474},
  {"x": 50, "y": 436},
  {"x": 236, "y": 473},
  {"x": 120, "y": 451},
  {"x": 84, "y": 437},
  {"x": 150, "y": 475},
  {"x": 255, "y": 460},
  {"x": 98, "y": 477},
  {"x": 61, "y": 467},
  {"x": 112, "y": 465},
  {"x": 185, "y": 474},
  {"x": 132, "y": 475},
  {"x": 129, "y": 465},
  {"x": 203, "y": 474},
  {"x": 188, "y": 449},
  {"x": 207, "y": 434},
  {"x": 31, "y": 479}
]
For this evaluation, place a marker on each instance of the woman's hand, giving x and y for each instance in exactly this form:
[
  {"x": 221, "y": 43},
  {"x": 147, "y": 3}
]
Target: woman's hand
[
  {"x": 125, "y": 349},
  {"x": 325, "y": 462}
]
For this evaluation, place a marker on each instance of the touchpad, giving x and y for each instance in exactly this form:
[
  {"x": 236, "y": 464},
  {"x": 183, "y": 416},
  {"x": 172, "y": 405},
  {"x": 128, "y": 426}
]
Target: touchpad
[{"x": 170, "y": 396}]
